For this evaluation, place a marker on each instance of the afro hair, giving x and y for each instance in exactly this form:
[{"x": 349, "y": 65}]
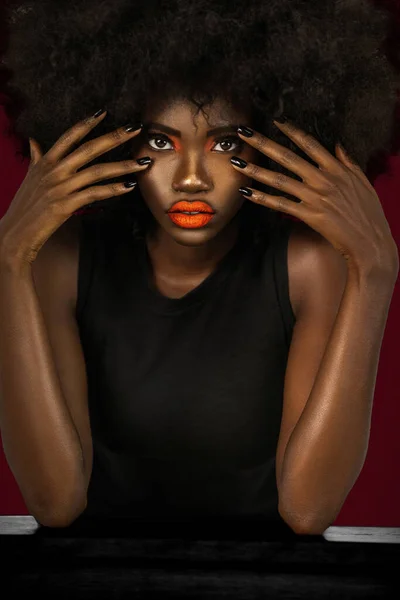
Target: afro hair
[{"x": 319, "y": 64}]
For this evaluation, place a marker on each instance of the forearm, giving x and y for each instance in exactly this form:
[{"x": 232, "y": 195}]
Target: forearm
[
  {"x": 328, "y": 446},
  {"x": 40, "y": 440}
]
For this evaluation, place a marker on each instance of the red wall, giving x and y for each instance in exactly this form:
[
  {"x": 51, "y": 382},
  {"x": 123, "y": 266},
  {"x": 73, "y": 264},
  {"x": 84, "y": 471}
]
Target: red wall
[{"x": 375, "y": 497}]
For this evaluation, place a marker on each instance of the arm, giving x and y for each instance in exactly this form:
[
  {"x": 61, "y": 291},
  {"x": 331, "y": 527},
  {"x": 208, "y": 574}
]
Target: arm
[
  {"x": 323, "y": 454},
  {"x": 40, "y": 438}
]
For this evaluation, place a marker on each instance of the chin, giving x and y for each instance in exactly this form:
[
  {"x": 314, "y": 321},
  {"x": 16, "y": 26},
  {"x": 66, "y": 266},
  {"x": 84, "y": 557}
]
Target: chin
[{"x": 192, "y": 237}]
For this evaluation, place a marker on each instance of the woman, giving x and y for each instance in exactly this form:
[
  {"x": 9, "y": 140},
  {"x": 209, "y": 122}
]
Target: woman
[{"x": 185, "y": 351}]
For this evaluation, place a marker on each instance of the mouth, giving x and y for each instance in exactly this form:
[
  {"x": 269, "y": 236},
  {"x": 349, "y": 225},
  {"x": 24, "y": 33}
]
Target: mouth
[
  {"x": 191, "y": 215},
  {"x": 191, "y": 208}
]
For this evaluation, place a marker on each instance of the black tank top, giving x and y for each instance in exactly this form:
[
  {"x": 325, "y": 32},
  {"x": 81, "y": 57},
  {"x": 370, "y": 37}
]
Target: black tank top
[{"x": 185, "y": 395}]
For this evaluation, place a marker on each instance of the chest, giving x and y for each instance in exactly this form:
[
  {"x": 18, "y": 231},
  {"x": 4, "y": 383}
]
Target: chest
[
  {"x": 204, "y": 384},
  {"x": 174, "y": 287}
]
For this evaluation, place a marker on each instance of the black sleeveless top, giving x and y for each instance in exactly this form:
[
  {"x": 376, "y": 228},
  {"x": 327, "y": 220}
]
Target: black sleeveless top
[{"x": 185, "y": 395}]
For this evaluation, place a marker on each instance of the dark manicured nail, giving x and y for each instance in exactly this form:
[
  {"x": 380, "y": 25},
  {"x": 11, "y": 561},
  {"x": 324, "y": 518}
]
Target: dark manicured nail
[
  {"x": 246, "y": 191},
  {"x": 129, "y": 184},
  {"x": 133, "y": 127},
  {"x": 245, "y": 131},
  {"x": 239, "y": 162},
  {"x": 146, "y": 160},
  {"x": 98, "y": 113}
]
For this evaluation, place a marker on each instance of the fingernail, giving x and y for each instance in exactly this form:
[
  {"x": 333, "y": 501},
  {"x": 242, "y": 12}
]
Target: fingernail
[
  {"x": 239, "y": 162},
  {"x": 281, "y": 120},
  {"x": 246, "y": 191},
  {"x": 129, "y": 184},
  {"x": 245, "y": 131},
  {"x": 146, "y": 160},
  {"x": 98, "y": 113},
  {"x": 133, "y": 127}
]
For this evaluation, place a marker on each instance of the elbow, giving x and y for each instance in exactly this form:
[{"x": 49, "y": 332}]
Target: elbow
[
  {"x": 61, "y": 516},
  {"x": 302, "y": 525},
  {"x": 307, "y": 528}
]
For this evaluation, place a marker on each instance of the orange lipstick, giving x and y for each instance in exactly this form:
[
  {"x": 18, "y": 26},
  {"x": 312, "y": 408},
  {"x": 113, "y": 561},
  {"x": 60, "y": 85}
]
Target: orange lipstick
[{"x": 203, "y": 214}]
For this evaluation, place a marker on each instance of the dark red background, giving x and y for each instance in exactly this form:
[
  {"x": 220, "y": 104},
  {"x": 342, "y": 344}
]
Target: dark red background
[{"x": 375, "y": 497}]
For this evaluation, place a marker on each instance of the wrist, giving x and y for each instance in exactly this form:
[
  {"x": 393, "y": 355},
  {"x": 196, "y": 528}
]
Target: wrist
[
  {"x": 375, "y": 286},
  {"x": 12, "y": 265}
]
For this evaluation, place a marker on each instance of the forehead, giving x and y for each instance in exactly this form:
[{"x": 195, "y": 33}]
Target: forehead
[{"x": 184, "y": 115}]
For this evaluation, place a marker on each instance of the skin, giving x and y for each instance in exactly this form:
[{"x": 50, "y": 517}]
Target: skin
[
  {"x": 343, "y": 265},
  {"x": 349, "y": 276},
  {"x": 192, "y": 167}
]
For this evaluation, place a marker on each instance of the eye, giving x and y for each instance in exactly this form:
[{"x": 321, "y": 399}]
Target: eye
[
  {"x": 232, "y": 139},
  {"x": 160, "y": 140},
  {"x": 158, "y": 137}
]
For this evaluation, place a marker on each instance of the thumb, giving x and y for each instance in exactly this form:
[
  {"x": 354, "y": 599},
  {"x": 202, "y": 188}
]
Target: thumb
[
  {"x": 35, "y": 151},
  {"x": 345, "y": 155}
]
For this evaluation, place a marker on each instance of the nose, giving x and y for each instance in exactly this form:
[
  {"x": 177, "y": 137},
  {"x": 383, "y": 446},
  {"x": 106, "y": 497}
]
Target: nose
[{"x": 191, "y": 176}]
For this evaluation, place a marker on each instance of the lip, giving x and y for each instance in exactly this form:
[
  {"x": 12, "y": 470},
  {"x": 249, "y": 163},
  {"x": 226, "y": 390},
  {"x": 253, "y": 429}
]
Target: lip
[
  {"x": 191, "y": 221},
  {"x": 196, "y": 206}
]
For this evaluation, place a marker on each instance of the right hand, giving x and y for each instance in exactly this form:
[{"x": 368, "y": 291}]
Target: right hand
[{"x": 50, "y": 192}]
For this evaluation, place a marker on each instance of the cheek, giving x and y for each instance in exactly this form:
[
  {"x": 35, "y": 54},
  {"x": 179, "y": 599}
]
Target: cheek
[
  {"x": 137, "y": 147},
  {"x": 153, "y": 183}
]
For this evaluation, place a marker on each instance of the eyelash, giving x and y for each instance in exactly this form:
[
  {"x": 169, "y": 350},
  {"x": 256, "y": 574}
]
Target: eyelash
[{"x": 236, "y": 139}]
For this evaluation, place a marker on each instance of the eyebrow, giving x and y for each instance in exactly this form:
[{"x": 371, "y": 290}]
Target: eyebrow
[{"x": 177, "y": 133}]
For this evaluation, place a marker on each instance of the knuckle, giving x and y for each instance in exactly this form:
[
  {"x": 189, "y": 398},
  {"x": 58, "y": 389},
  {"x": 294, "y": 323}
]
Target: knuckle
[
  {"x": 330, "y": 185},
  {"x": 94, "y": 192},
  {"x": 280, "y": 180},
  {"x": 255, "y": 171},
  {"x": 56, "y": 205},
  {"x": 87, "y": 151},
  {"x": 47, "y": 194},
  {"x": 115, "y": 188},
  {"x": 116, "y": 135},
  {"x": 128, "y": 165},
  {"x": 44, "y": 164},
  {"x": 85, "y": 122},
  {"x": 47, "y": 177},
  {"x": 260, "y": 144},
  {"x": 68, "y": 136},
  {"x": 289, "y": 157},
  {"x": 282, "y": 203},
  {"x": 311, "y": 144},
  {"x": 97, "y": 172}
]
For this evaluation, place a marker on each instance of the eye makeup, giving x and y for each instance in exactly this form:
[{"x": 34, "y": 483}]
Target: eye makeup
[{"x": 209, "y": 144}]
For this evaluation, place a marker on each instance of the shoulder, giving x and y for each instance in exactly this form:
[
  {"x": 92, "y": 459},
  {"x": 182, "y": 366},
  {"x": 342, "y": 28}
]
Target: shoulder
[{"x": 316, "y": 270}]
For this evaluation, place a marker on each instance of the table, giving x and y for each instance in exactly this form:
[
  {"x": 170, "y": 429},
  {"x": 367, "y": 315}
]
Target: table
[{"x": 121, "y": 558}]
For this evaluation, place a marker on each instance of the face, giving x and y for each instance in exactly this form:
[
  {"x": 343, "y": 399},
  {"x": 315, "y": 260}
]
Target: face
[{"x": 192, "y": 164}]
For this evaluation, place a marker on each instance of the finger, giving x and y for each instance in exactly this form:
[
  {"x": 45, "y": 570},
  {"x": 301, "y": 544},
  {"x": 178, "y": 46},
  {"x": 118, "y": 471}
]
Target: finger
[
  {"x": 73, "y": 202},
  {"x": 35, "y": 152},
  {"x": 311, "y": 147},
  {"x": 274, "y": 179},
  {"x": 95, "y": 174},
  {"x": 91, "y": 150},
  {"x": 354, "y": 167},
  {"x": 71, "y": 137},
  {"x": 282, "y": 155},
  {"x": 296, "y": 209}
]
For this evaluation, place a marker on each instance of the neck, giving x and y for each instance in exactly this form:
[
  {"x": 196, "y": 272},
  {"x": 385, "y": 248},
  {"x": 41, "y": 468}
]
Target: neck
[{"x": 176, "y": 261}]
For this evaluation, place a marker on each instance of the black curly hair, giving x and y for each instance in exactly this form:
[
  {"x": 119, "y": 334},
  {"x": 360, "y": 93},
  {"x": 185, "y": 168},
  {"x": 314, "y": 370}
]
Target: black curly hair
[{"x": 319, "y": 64}]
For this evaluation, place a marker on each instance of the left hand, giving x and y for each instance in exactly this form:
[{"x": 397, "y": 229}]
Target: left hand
[{"x": 337, "y": 199}]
